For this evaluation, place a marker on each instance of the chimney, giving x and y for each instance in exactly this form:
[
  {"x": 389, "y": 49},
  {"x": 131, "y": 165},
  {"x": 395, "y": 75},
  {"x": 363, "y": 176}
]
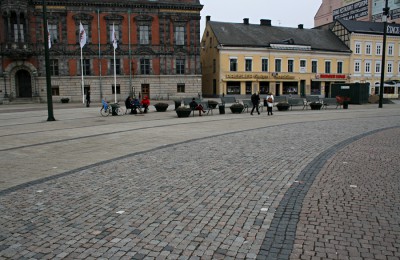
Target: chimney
[
  {"x": 300, "y": 26},
  {"x": 246, "y": 20},
  {"x": 208, "y": 18},
  {"x": 265, "y": 22}
]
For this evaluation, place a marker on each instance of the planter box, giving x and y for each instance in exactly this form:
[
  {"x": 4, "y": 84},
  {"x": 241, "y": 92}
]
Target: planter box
[
  {"x": 282, "y": 106},
  {"x": 315, "y": 106},
  {"x": 183, "y": 112},
  {"x": 161, "y": 107},
  {"x": 236, "y": 108}
]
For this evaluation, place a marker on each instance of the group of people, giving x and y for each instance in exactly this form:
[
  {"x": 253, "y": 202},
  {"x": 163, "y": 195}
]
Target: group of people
[
  {"x": 134, "y": 104},
  {"x": 255, "y": 100}
]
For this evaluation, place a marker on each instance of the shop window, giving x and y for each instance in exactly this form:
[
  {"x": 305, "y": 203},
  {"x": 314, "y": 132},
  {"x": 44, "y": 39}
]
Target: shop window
[
  {"x": 233, "y": 88},
  {"x": 315, "y": 88},
  {"x": 248, "y": 87},
  {"x": 264, "y": 87},
  {"x": 289, "y": 89}
]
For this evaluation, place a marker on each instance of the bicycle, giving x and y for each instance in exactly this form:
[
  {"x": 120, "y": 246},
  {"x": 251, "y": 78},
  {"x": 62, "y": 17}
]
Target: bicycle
[{"x": 107, "y": 109}]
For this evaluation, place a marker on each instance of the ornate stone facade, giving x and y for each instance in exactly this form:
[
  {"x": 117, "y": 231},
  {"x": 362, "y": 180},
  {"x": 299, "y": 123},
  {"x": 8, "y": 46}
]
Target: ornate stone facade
[{"x": 158, "y": 50}]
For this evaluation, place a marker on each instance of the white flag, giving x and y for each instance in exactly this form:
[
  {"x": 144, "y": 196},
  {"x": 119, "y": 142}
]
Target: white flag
[
  {"x": 114, "y": 38},
  {"x": 82, "y": 35},
  {"x": 48, "y": 36}
]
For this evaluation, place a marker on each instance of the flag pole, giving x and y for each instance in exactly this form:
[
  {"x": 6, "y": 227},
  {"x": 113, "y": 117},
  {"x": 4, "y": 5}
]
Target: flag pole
[
  {"x": 115, "y": 79},
  {"x": 83, "y": 93}
]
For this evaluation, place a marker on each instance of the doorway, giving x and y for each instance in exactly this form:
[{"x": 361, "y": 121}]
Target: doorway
[{"x": 23, "y": 84}]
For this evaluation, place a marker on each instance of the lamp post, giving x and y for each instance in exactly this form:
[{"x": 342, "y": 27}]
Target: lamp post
[
  {"x": 384, "y": 19},
  {"x": 50, "y": 116}
]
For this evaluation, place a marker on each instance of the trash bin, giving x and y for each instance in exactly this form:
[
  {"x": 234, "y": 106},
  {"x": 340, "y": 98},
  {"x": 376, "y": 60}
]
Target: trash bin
[
  {"x": 221, "y": 109},
  {"x": 114, "y": 108},
  {"x": 345, "y": 104}
]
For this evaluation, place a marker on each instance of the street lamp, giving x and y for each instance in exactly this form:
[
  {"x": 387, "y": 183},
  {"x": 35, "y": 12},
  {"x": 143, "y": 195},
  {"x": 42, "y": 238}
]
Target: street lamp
[
  {"x": 50, "y": 116},
  {"x": 384, "y": 19}
]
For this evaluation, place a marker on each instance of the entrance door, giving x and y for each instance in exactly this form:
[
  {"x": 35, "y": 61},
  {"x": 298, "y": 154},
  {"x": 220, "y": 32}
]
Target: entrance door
[
  {"x": 146, "y": 90},
  {"x": 302, "y": 88},
  {"x": 327, "y": 89},
  {"x": 24, "y": 86}
]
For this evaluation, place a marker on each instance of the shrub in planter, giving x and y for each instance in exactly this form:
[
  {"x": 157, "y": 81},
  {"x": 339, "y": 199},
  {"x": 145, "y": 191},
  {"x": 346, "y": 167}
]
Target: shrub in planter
[
  {"x": 183, "y": 111},
  {"x": 64, "y": 100},
  {"x": 282, "y": 106},
  {"x": 161, "y": 107},
  {"x": 236, "y": 108},
  {"x": 212, "y": 103},
  {"x": 315, "y": 105}
]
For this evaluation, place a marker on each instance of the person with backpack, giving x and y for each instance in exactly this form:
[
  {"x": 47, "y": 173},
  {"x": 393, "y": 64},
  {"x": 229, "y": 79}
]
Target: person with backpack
[
  {"x": 255, "y": 99},
  {"x": 270, "y": 103}
]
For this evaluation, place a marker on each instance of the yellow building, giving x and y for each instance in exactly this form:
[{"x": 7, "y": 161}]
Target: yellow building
[
  {"x": 243, "y": 58},
  {"x": 365, "y": 39}
]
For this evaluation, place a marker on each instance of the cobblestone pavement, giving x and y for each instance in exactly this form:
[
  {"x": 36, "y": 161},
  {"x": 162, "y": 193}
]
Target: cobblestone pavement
[{"x": 321, "y": 186}]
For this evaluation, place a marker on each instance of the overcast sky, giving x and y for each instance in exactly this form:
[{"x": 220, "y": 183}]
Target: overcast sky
[{"x": 288, "y": 13}]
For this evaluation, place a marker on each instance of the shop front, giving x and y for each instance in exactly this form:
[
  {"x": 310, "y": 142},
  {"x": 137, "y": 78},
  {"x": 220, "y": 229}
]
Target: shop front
[{"x": 321, "y": 85}]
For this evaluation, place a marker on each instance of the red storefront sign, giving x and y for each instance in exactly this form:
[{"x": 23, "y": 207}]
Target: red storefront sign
[{"x": 331, "y": 76}]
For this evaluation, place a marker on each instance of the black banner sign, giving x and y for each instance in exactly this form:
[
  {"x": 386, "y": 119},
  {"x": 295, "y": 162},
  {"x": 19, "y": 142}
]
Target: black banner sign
[{"x": 352, "y": 11}]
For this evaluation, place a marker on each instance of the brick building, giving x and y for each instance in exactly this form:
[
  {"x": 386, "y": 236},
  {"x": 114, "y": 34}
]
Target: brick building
[{"x": 158, "y": 51}]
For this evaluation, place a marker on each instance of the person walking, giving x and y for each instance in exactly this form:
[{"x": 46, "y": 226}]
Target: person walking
[
  {"x": 255, "y": 99},
  {"x": 88, "y": 98},
  {"x": 270, "y": 103}
]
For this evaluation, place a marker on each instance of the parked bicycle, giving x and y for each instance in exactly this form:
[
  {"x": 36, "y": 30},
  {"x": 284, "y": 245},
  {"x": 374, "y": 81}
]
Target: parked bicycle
[{"x": 107, "y": 109}]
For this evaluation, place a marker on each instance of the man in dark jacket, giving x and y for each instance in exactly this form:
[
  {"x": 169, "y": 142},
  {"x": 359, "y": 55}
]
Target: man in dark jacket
[{"x": 255, "y": 99}]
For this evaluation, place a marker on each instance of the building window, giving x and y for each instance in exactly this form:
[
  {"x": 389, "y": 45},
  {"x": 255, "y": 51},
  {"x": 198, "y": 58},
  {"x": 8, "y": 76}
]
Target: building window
[
  {"x": 278, "y": 65},
  {"x": 117, "y": 66},
  {"x": 180, "y": 66},
  {"x": 303, "y": 66},
  {"x": 367, "y": 66},
  {"x": 180, "y": 88},
  {"x": 314, "y": 66},
  {"x": 340, "y": 67},
  {"x": 53, "y": 33},
  {"x": 390, "y": 49},
  {"x": 356, "y": 66},
  {"x": 21, "y": 33},
  {"x": 248, "y": 87},
  {"x": 327, "y": 66},
  {"x": 264, "y": 65},
  {"x": 144, "y": 34},
  {"x": 378, "y": 49},
  {"x": 54, "y": 67},
  {"x": 233, "y": 88},
  {"x": 377, "y": 67},
  {"x": 55, "y": 90},
  {"x": 390, "y": 67},
  {"x": 113, "y": 89},
  {"x": 248, "y": 64},
  {"x": 233, "y": 64},
  {"x": 368, "y": 48},
  {"x": 180, "y": 35},
  {"x": 86, "y": 67},
  {"x": 290, "y": 65},
  {"x": 144, "y": 66},
  {"x": 358, "y": 48}
]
